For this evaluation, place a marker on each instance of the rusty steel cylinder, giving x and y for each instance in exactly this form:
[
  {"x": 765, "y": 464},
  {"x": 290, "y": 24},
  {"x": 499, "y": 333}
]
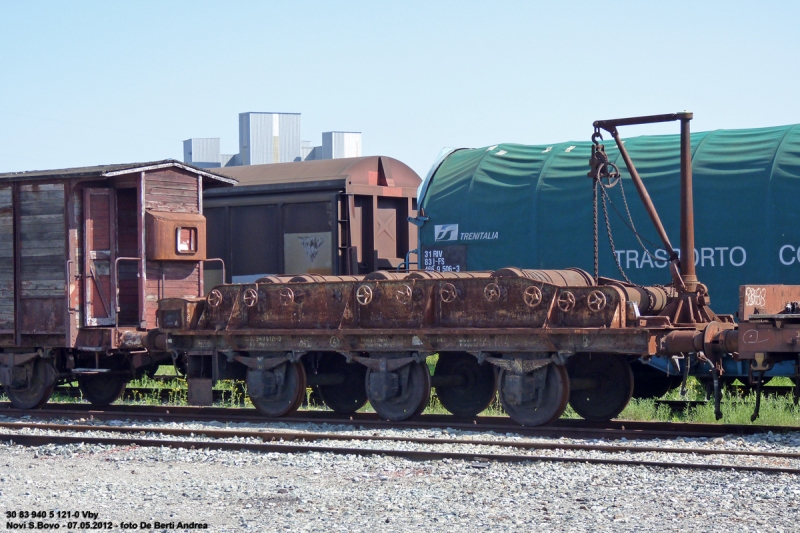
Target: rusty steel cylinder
[
  {"x": 427, "y": 274},
  {"x": 274, "y": 279},
  {"x": 650, "y": 300},
  {"x": 570, "y": 277},
  {"x": 384, "y": 275}
]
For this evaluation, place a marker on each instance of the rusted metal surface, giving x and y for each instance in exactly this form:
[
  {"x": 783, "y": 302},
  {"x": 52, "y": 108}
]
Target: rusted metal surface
[
  {"x": 769, "y": 338},
  {"x": 687, "y": 205},
  {"x": 765, "y": 299},
  {"x": 570, "y": 277},
  {"x": 691, "y": 304},
  {"x": 356, "y": 210},
  {"x": 518, "y": 340},
  {"x": 769, "y": 330},
  {"x": 457, "y": 301},
  {"x": 175, "y": 236}
]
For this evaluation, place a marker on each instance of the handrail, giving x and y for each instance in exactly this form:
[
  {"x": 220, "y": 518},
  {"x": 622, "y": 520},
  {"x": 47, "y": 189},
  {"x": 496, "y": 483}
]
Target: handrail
[
  {"x": 116, "y": 280},
  {"x": 221, "y": 262},
  {"x": 407, "y": 263}
]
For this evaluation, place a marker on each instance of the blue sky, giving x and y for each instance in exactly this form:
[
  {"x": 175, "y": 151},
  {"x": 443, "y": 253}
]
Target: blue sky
[{"x": 85, "y": 83}]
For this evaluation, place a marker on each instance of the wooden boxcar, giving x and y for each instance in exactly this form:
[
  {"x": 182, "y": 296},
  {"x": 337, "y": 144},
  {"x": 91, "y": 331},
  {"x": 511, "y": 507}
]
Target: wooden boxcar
[{"x": 85, "y": 254}]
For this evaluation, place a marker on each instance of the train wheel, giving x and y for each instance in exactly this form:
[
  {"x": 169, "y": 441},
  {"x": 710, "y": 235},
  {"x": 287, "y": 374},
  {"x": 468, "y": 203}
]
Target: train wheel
[
  {"x": 601, "y": 385},
  {"x": 102, "y": 389},
  {"x": 347, "y": 397},
  {"x": 42, "y": 380},
  {"x": 536, "y": 398},
  {"x": 401, "y": 394},
  {"x": 278, "y": 391},
  {"x": 469, "y": 386}
]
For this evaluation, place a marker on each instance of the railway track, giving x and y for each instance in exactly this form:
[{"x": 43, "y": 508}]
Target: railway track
[
  {"x": 272, "y": 441},
  {"x": 569, "y": 428}
]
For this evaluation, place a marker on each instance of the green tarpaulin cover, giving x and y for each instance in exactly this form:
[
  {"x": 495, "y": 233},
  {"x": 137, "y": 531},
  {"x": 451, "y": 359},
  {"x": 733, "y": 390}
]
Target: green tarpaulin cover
[{"x": 531, "y": 206}]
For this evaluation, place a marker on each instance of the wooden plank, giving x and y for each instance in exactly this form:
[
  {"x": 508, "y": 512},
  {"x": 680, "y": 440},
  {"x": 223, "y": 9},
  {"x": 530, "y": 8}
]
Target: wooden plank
[
  {"x": 172, "y": 185},
  {"x": 171, "y": 177},
  {"x": 55, "y": 245},
  {"x": 42, "y": 293},
  {"x": 43, "y": 195},
  {"x": 171, "y": 188},
  {"x": 40, "y": 274},
  {"x": 35, "y": 208},
  {"x": 175, "y": 195},
  {"x": 183, "y": 285},
  {"x": 37, "y": 233},
  {"x": 170, "y": 207},
  {"x": 36, "y": 187},
  {"x": 52, "y": 220},
  {"x": 28, "y": 251},
  {"x": 55, "y": 197},
  {"x": 43, "y": 285}
]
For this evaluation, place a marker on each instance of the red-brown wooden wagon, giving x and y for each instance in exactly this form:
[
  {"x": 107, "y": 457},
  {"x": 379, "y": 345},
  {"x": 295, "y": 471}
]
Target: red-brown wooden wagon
[{"x": 85, "y": 254}]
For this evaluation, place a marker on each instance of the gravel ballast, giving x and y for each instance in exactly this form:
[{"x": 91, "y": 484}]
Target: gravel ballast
[{"x": 235, "y": 491}]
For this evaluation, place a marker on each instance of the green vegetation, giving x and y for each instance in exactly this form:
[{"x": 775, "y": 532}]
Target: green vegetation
[{"x": 776, "y": 410}]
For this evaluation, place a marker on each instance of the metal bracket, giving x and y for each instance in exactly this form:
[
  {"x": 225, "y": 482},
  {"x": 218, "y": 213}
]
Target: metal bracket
[
  {"x": 519, "y": 366},
  {"x": 16, "y": 359},
  {"x": 261, "y": 363},
  {"x": 295, "y": 355},
  {"x": 758, "y": 363},
  {"x": 386, "y": 364}
]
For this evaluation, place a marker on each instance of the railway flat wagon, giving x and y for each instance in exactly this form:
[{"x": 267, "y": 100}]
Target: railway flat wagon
[
  {"x": 330, "y": 217},
  {"x": 85, "y": 254},
  {"x": 539, "y": 338}
]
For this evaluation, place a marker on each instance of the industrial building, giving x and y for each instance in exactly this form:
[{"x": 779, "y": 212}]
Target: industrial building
[{"x": 266, "y": 138}]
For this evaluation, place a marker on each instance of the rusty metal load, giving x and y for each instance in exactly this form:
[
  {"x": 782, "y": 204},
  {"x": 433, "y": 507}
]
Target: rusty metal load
[
  {"x": 574, "y": 277},
  {"x": 649, "y": 300}
]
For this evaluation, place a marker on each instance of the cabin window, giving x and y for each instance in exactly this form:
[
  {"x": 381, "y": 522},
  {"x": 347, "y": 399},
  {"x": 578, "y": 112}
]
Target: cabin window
[{"x": 186, "y": 240}]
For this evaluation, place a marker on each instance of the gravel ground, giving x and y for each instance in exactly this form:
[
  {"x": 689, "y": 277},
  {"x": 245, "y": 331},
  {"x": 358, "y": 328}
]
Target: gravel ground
[
  {"x": 789, "y": 442},
  {"x": 235, "y": 491}
]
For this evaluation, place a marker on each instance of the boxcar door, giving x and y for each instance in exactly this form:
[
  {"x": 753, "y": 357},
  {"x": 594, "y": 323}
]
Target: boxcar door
[{"x": 99, "y": 254}]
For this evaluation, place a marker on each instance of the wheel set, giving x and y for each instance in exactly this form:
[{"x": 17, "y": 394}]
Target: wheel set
[{"x": 597, "y": 386}]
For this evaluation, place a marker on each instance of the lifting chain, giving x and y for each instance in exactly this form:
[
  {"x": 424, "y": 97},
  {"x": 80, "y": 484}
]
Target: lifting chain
[{"x": 602, "y": 169}]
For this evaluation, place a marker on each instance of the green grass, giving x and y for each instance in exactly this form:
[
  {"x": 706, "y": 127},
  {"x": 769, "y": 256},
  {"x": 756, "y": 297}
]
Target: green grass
[{"x": 736, "y": 409}]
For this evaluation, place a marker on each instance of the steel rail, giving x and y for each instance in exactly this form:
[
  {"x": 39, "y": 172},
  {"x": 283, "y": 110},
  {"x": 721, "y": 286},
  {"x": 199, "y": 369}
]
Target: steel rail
[
  {"x": 236, "y": 414},
  {"x": 572, "y": 428},
  {"x": 272, "y": 436},
  {"x": 40, "y": 440}
]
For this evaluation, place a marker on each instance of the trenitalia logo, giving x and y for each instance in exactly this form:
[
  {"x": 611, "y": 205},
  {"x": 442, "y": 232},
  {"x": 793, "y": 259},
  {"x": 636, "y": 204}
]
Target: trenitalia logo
[{"x": 446, "y": 232}]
